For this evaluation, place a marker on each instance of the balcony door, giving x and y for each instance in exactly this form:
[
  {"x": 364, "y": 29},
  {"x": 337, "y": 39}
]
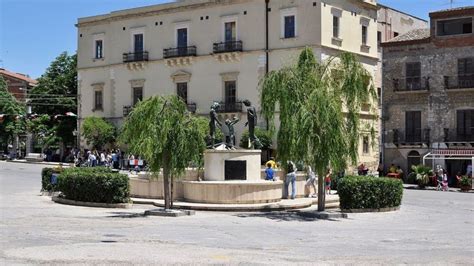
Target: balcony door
[
  {"x": 182, "y": 91},
  {"x": 230, "y": 96},
  {"x": 465, "y": 125},
  {"x": 413, "y": 76},
  {"x": 230, "y": 32},
  {"x": 413, "y": 126},
  {"x": 466, "y": 72},
  {"x": 138, "y": 47},
  {"x": 182, "y": 40}
]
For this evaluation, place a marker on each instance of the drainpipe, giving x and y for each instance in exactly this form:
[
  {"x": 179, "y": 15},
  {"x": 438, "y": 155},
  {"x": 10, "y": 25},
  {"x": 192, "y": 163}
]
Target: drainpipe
[
  {"x": 266, "y": 46},
  {"x": 266, "y": 35}
]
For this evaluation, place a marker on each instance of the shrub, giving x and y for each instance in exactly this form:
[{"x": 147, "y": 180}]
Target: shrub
[
  {"x": 365, "y": 192},
  {"x": 95, "y": 184},
  {"x": 46, "y": 178},
  {"x": 263, "y": 135},
  {"x": 465, "y": 181}
]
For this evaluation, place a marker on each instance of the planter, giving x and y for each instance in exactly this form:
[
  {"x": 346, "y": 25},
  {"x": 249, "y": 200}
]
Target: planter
[{"x": 465, "y": 188}]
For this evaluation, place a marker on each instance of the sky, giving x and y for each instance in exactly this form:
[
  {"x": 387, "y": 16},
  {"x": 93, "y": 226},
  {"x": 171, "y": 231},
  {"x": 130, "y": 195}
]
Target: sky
[{"x": 34, "y": 32}]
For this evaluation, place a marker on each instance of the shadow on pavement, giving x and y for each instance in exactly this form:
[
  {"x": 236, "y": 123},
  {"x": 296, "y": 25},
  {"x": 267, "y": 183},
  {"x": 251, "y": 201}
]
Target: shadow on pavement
[
  {"x": 125, "y": 215},
  {"x": 283, "y": 216}
]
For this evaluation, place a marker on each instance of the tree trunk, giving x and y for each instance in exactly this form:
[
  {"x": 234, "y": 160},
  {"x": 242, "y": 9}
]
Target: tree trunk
[
  {"x": 171, "y": 190},
  {"x": 321, "y": 192},
  {"x": 166, "y": 181}
]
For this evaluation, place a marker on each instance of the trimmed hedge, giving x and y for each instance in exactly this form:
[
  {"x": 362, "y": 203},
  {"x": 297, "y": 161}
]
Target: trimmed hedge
[
  {"x": 94, "y": 184},
  {"x": 46, "y": 178},
  {"x": 365, "y": 192}
]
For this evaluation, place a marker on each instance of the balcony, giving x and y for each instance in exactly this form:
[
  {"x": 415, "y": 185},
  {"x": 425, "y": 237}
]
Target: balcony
[
  {"x": 401, "y": 137},
  {"x": 459, "y": 82},
  {"x": 135, "y": 57},
  {"x": 179, "y": 52},
  {"x": 457, "y": 135},
  {"x": 230, "y": 107},
  {"x": 227, "y": 47},
  {"x": 406, "y": 84},
  {"x": 126, "y": 110}
]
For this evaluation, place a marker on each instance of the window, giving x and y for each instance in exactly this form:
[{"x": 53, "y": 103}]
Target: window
[
  {"x": 454, "y": 26},
  {"x": 413, "y": 126},
  {"x": 413, "y": 76},
  {"x": 289, "y": 26},
  {"x": 230, "y": 31},
  {"x": 98, "y": 104},
  {"x": 335, "y": 27},
  {"x": 465, "y": 124},
  {"x": 466, "y": 72},
  {"x": 182, "y": 37},
  {"x": 137, "y": 95},
  {"x": 182, "y": 91},
  {"x": 230, "y": 92},
  {"x": 364, "y": 35},
  {"x": 365, "y": 144},
  {"x": 138, "y": 43},
  {"x": 395, "y": 34},
  {"x": 99, "y": 50},
  {"x": 379, "y": 37}
]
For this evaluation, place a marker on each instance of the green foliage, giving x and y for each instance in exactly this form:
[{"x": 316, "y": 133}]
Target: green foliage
[
  {"x": 314, "y": 127},
  {"x": 43, "y": 130},
  {"x": 98, "y": 132},
  {"x": 94, "y": 184},
  {"x": 56, "y": 94},
  {"x": 465, "y": 181},
  {"x": 10, "y": 125},
  {"x": 166, "y": 135},
  {"x": 203, "y": 125},
  {"x": 365, "y": 192},
  {"x": 421, "y": 174},
  {"x": 46, "y": 178},
  {"x": 264, "y": 136}
]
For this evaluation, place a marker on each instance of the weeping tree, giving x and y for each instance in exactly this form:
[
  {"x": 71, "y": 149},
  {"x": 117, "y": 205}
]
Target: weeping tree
[
  {"x": 163, "y": 132},
  {"x": 318, "y": 106}
]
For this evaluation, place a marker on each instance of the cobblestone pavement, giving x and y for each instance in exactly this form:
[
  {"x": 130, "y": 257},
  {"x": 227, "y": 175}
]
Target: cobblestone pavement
[{"x": 431, "y": 227}]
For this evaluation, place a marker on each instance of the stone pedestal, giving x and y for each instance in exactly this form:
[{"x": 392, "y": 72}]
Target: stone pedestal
[{"x": 222, "y": 165}]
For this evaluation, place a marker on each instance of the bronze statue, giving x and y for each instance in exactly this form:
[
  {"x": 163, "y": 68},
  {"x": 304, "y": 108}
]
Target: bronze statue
[
  {"x": 212, "y": 123},
  {"x": 251, "y": 122},
  {"x": 229, "y": 132}
]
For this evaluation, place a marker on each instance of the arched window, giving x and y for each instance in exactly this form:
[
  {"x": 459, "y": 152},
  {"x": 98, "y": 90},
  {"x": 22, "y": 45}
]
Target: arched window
[{"x": 413, "y": 159}]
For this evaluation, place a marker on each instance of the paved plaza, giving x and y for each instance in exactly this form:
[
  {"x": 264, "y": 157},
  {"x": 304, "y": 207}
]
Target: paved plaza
[{"x": 430, "y": 228}]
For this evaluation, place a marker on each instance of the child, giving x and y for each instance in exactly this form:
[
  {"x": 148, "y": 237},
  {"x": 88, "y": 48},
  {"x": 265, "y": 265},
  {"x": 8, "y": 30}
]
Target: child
[
  {"x": 269, "y": 172},
  {"x": 327, "y": 182}
]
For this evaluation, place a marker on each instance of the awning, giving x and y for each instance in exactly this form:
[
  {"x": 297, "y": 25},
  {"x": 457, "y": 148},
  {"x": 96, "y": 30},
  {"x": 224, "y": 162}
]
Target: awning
[{"x": 450, "y": 154}]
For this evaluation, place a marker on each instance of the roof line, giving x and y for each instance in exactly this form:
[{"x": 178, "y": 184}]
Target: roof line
[{"x": 399, "y": 11}]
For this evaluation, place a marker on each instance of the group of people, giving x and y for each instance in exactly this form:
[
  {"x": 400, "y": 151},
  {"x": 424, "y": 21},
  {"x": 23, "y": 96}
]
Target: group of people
[
  {"x": 108, "y": 158},
  {"x": 290, "y": 178}
]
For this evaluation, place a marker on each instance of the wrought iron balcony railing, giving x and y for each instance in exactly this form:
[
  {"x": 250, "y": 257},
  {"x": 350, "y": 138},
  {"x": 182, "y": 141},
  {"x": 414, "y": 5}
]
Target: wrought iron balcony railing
[
  {"x": 135, "y": 57},
  {"x": 401, "y": 136},
  {"x": 179, "y": 52},
  {"x": 459, "y": 82},
  {"x": 230, "y": 107},
  {"x": 411, "y": 84},
  {"x": 226, "y": 47},
  {"x": 458, "y": 135}
]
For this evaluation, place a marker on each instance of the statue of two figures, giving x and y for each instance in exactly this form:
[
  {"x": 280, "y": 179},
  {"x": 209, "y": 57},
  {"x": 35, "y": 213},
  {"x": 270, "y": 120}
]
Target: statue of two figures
[{"x": 227, "y": 127}]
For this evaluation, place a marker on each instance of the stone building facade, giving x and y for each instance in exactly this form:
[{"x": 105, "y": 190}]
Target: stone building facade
[
  {"x": 213, "y": 50},
  {"x": 428, "y": 93}
]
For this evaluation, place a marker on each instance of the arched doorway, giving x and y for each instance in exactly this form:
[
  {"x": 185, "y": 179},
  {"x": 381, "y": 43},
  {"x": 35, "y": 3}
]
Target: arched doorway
[{"x": 413, "y": 159}]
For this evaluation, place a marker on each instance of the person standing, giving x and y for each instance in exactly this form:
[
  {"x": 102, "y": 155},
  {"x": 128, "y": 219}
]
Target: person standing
[
  {"x": 327, "y": 182},
  {"x": 290, "y": 179},
  {"x": 311, "y": 182}
]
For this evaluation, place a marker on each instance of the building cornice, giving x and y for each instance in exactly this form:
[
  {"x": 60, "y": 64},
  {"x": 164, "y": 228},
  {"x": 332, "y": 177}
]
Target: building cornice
[{"x": 154, "y": 10}]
